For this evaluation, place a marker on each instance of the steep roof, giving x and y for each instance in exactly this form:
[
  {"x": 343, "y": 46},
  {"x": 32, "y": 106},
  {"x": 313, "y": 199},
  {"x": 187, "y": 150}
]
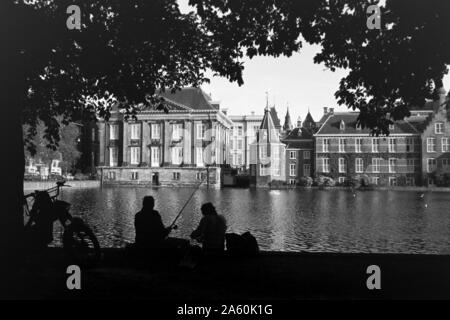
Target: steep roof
[
  {"x": 189, "y": 98},
  {"x": 267, "y": 125},
  {"x": 299, "y": 133},
  {"x": 299, "y": 138},
  {"x": 307, "y": 144},
  {"x": 275, "y": 119},
  {"x": 332, "y": 126},
  {"x": 287, "y": 121}
]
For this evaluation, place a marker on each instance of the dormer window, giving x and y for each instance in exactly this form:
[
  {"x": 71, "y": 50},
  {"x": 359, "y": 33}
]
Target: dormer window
[
  {"x": 342, "y": 125},
  {"x": 391, "y": 127},
  {"x": 358, "y": 126}
]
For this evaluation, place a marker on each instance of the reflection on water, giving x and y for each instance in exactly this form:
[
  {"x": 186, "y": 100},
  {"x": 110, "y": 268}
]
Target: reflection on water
[{"x": 287, "y": 220}]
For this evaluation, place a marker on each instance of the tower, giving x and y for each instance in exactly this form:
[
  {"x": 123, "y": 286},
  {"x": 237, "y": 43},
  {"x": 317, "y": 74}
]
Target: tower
[{"x": 287, "y": 121}]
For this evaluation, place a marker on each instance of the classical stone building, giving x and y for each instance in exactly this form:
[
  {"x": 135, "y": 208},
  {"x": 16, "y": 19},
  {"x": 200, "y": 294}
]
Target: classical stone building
[
  {"x": 242, "y": 135},
  {"x": 185, "y": 146}
]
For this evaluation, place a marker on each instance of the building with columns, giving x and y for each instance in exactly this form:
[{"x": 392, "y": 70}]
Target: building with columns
[{"x": 185, "y": 146}]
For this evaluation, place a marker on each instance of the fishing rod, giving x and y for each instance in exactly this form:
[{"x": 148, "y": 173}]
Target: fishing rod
[{"x": 189, "y": 199}]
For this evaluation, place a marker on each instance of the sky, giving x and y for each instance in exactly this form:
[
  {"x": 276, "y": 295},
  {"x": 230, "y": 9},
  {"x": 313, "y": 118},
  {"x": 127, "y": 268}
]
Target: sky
[{"x": 295, "y": 81}]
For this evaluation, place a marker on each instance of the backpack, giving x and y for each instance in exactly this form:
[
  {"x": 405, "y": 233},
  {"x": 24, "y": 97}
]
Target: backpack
[{"x": 244, "y": 245}]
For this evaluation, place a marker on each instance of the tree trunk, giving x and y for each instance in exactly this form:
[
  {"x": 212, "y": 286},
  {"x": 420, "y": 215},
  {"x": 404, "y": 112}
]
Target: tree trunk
[{"x": 11, "y": 212}]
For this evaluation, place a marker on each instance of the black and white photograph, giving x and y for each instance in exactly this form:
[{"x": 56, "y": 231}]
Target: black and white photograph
[{"x": 219, "y": 157}]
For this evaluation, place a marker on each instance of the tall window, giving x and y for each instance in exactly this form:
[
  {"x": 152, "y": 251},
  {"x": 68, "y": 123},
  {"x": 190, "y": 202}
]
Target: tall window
[
  {"x": 445, "y": 144},
  {"x": 239, "y": 131},
  {"x": 392, "y": 165},
  {"x": 375, "y": 145},
  {"x": 325, "y": 165},
  {"x": 446, "y": 164},
  {"x": 176, "y": 131},
  {"x": 431, "y": 165},
  {"x": 275, "y": 152},
  {"x": 431, "y": 144},
  {"x": 200, "y": 131},
  {"x": 263, "y": 151},
  {"x": 376, "y": 165},
  {"x": 177, "y": 155},
  {"x": 342, "y": 165},
  {"x": 292, "y": 169},
  {"x": 155, "y": 156},
  {"x": 306, "y": 155},
  {"x": 307, "y": 170},
  {"x": 156, "y": 131},
  {"x": 358, "y": 145},
  {"x": 113, "y": 157},
  {"x": 135, "y": 155},
  {"x": 392, "y": 181},
  {"x": 359, "y": 165},
  {"x": 342, "y": 143},
  {"x": 135, "y": 131},
  {"x": 411, "y": 165},
  {"x": 409, "y": 144},
  {"x": 326, "y": 145},
  {"x": 439, "y": 128},
  {"x": 114, "y": 132},
  {"x": 292, "y": 155},
  {"x": 199, "y": 156},
  {"x": 392, "y": 145}
]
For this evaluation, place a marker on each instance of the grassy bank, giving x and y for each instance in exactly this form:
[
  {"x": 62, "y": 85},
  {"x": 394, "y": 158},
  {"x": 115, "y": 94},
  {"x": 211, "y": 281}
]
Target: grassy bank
[{"x": 273, "y": 275}]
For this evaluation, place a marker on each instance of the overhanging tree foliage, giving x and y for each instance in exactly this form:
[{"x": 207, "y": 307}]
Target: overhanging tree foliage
[{"x": 389, "y": 69}]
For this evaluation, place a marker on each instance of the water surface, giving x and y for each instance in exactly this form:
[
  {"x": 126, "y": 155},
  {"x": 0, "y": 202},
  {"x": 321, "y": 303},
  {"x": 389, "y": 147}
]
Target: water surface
[{"x": 286, "y": 220}]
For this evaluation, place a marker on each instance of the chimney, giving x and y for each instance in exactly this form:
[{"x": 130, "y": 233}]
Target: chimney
[
  {"x": 252, "y": 113},
  {"x": 331, "y": 110},
  {"x": 325, "y": 110}
]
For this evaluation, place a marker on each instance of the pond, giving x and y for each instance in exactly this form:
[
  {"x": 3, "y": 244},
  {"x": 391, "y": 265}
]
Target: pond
[{"x": 284, "y": 220}]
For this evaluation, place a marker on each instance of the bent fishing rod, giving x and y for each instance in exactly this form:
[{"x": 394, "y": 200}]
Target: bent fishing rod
[{"x": 189, "y": 199}]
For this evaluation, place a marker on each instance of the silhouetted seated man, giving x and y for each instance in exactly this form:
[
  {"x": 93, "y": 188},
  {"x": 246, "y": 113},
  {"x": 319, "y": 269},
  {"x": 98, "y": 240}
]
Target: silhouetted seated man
[
  {"x": 151, "y": 235},
  {"x": 211, "y": 230},
  {"x": 150, "y": 230}
]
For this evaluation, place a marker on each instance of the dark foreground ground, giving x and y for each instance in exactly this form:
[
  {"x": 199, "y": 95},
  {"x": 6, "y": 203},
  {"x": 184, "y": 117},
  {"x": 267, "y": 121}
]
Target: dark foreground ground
[{"x": 273, "y": 275}]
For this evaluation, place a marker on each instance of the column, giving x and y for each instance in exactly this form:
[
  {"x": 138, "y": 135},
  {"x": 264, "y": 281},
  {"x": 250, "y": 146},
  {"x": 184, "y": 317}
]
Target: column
[
  {"x": 187, "y": 140},
  {"x": 101, "y": 143},
  {"x": 125, "y": 144},
  {"x": 166, "y": 143},
  {"x": 145, "y": 138}
]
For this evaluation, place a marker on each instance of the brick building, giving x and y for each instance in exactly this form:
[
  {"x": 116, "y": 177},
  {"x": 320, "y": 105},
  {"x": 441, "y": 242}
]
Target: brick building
[
  {"x": 175, "y": 148},
  {"x": 300, "y": 150},
  {"x": 435, "y": 136},
  {"x": 415, "y": 153}
]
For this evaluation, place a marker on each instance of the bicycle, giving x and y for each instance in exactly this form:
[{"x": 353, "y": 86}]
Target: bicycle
[{"x": 79, "y": 241}]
